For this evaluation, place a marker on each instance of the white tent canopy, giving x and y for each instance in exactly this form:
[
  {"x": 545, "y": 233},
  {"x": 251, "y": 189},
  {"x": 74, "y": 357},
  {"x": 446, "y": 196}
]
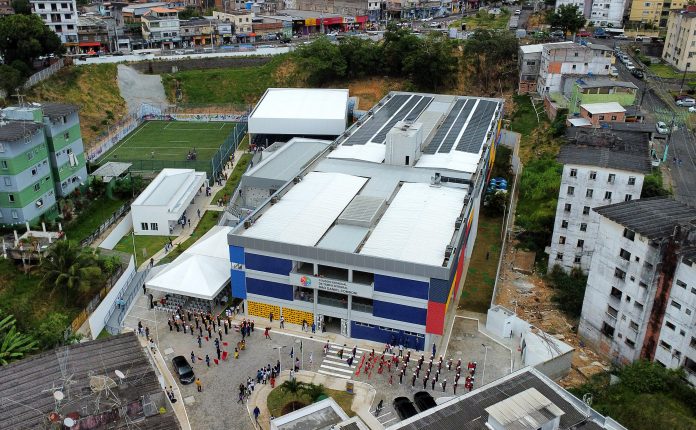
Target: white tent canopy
[{"x": 201, "y": 271}]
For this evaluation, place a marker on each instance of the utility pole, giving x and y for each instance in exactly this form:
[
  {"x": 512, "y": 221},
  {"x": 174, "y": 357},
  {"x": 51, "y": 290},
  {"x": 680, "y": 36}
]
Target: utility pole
[
  {"x": 669, "y": 138},
  {"x": 681, "y": 87}
]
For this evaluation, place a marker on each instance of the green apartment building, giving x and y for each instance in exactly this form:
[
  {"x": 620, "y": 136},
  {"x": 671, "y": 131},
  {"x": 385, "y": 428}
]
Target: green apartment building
[{"x": 41, "y": 158}]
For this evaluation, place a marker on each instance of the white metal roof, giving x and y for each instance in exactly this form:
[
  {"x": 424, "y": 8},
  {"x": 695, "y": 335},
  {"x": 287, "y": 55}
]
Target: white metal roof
[
  {"x": 597, "y": 108},
  {"x": 372, "y": 152},
  {"x": 169, "y": 187},
  {"x": 454, "y": 160},
  {"x": 522, "y": 409},
  {"x": 302, "y": 103},
  {"x": 284, "y": 163},
  {"x": 306, "y": 212},
  {"x": 579, "y": 122},
  {"x": 529, "y": 49},
  {"x": 433, "y": 210}
]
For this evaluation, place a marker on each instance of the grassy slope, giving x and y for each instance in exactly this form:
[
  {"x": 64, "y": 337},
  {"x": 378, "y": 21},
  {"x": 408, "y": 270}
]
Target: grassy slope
[
  {"x": 94, "y": 88},
  {"x": 145, "y": 246},
  {"x": 91, "y": 217},
  {"x": 480, "y": 278},
  {"x": 669, "y": 72},
  {"x": 484, "y": 20},
  {"x": 234, "y": 178}
]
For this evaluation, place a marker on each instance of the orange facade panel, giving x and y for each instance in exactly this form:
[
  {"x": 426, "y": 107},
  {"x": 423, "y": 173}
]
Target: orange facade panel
[{"x": 555, "y": 67}]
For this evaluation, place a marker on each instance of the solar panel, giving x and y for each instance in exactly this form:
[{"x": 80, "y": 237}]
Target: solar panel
[
  {"x": 420, "y": 107},
  {"x": 382, "y": 134},
  {"x": 444, "y": 128},
  {"x": 479, "y": 124},
  {"x": 373, "y": 123},
  {"x": 453, "y": 135}
]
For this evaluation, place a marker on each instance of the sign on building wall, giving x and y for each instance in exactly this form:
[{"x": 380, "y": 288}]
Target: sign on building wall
[{"x": 330, "y": 284}]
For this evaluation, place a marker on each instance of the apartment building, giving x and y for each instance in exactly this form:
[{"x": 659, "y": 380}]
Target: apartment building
[
  {"x": 680, "y": 42},
  {"x": 655, "y": 13},
  {"x": 599, "y": 168},
  {"x": 242, "y": 20},
  {"x": 605, "y": 13},
  {"x": 640, "y": 301},
  {"x": 197, "y": 31},
  {"x": 583, "y": 5},
  {"x": 529, "y": 64},
  {"x": 61, "y": 17},
  {"x": 160, "y": 27},
  {"x": 560, "y": 61}
]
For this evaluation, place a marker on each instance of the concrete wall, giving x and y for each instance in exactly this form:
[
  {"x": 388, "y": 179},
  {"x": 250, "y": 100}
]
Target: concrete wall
[
  {"x": 96, "y": 320},
  {"x": 138, "y": 58},
  {"x": 158, "y": 67},
  {"x": 121, "y": 229}
]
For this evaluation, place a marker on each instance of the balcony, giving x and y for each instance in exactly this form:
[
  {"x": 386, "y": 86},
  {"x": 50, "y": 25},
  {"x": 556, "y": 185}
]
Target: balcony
[{"x": 335, "y": 300}]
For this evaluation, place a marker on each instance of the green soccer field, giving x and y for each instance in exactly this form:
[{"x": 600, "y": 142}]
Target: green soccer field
[{"x": 170, "y": 141}]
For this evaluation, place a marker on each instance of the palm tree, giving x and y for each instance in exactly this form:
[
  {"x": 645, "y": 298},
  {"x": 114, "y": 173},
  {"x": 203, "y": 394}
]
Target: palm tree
[
  {"x": 70, "y": 267},
  {"x": 314, "y": 391},
  {"x": 13, "y": 344},
  {"x": 292, "y": 386}
]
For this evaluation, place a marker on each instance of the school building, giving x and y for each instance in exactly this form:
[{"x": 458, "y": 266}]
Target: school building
[{"x": 372, "y": 238}]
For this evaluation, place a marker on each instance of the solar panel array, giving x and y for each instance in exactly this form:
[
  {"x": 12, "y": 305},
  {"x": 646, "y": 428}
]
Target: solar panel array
[
  {"x": 441, "y": 132},
  {"x": 453, "y": 135},
  {"x": 400, "y": 107},
  {"x": 479, "y": 124}
]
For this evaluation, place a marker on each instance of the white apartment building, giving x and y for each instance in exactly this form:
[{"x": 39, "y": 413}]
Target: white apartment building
[
  {"x": 160, "y": 26},
  {"x": 60, "y": 16},
  {"x": 640, "y": 301},
  {"x": 599, "y": 168},
  {"x": 680, "y": 42},
  {"x": 241, "y": 19},
  {"x": 560, "y": 61},
  {"x": 607, "y": 13}
]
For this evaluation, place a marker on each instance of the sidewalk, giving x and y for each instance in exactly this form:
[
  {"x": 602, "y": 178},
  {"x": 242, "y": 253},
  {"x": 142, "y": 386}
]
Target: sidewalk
[
  {"x": 202, "y": 203},
  {"x": 363, "y": 396}
]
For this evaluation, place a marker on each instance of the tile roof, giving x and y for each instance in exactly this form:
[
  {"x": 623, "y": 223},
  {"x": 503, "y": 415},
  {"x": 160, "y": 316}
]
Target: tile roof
[
  {"x": 11, "y": 131},
  {"x": 27, "y": 386},
  {"x": 654, "y": 218}
]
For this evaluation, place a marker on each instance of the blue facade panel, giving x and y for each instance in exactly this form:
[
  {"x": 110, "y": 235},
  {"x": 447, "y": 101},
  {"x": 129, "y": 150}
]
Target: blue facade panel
[
  {"x": 387, "y": 335},
  {"x": 238, "y": 282},
  {"x": 263, "y": 263},
  {"x": 439, "y": 290},
  {"x": 236, "y": 254},
  {"x": 397, "y": 312},
  {"x": 269, "y": 289},
  {"x": 401, "y": 287}
]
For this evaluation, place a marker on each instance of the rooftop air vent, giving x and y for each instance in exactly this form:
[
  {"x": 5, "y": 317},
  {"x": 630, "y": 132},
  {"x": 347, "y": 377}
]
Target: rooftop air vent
[
  {"x": 274, "y": 200},
  {"x": 247, "y": 223},
  {"x": 458, "y": 223},
  {"x": 448, "y": 252},
  {"x": 296, "y": 180}
]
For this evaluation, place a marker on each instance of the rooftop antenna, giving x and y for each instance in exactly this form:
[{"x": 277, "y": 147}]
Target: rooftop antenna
[
  {"x": 20, "y": 98},
  {"x": 121, "y": 376}
]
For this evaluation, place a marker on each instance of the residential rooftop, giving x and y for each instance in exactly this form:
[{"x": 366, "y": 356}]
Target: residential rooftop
[
  {"x": 168, "y": 188},
  {"x": 85, "y": 374},
  {"x": 585, "y": 83},
  {"x": 622, "y": 150},
  {"x": 654, "y": 218},
  {"x": 600, "y": 108},
  {"x": 12, "y": 131},
  {"x": 58, "y": 110}
]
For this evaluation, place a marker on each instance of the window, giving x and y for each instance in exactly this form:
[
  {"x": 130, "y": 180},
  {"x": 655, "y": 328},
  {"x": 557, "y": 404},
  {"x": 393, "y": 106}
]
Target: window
[
  {"x": 637, "y": 259},
  {"x": 2, "y": 147},
  {"x": 3, "y": 164},
  {"x": 601, "y": 117},
  {"x": 571, "y": 191},
  {"x": 561, "y": 240},
  {"x": 670, "y": 326},
  {"x": 607, "y": 195},
  {"x": 567, "y": 207},
  {"x": 14, "y": 214},
  {"x": 631, "y": 344},
  {"x": 625, "y": 254},
  {"x": 11, "y": 198},
  {"x": 676, "y": 305},
  {"x": 681, "y": 283},
  {"x": 693, "y": 343},
  {"x": 612, "y": 178},
  {"x": 577, "y": 259},
  {"x": 559, "y": 256},
  {"x": 631, "y": 180},
  {"x": 37, "y": 186},
  {"x": 153, "y": 226},
  {"x": 589, "y": 193},
  {"x": 633, "y": 325},
  {"x": 616, "y": 293},
  {"x": 613, "y": 117},
  {"x": 564, "y": 224},
  {"x": 586, "y": 210},
  {"x": 618, "y": 273},
  {"x": 8, "y": 181},
  {"x": 607, "y": 330},
  {"x": 573, "y": 173},
  {"x": 581, "y": 243},
  {"x": 143, "y": 226},
  {"x": 629, "y": 234},
  {"x": 665, "y": 345},
  {"x": 583, "y": 226},
  {"x": 593, "y": 175}
]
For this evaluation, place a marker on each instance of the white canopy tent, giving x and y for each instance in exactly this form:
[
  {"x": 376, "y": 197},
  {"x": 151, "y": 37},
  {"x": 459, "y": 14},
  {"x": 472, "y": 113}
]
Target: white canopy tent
[{"x": 202, "y": 271}]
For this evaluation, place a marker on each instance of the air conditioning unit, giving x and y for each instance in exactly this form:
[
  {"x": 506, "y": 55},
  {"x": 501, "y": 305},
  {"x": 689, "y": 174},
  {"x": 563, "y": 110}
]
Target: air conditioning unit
[
  {"x": 448, "y": 251},
  {"x": 247, "y": 223},
  {"x": 274, "y": 200},
  {"x": 458, "y": 223},
  {"x": 296, "y": 180},
  {"x": 39, "y": 203}
]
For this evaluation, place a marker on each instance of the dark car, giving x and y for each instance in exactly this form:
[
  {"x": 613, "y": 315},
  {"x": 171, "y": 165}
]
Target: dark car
[
  {"x": 638, "y": 73},
  {"x": 404, "y": 408},
  {"x": 424, "y": 401},
  {"x": 183, "y": 369}
]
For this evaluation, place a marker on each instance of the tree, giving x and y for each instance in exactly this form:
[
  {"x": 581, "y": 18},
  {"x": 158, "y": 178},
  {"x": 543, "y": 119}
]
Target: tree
[
  {"x": 567, "y": 17},
  {"x": 13, "y": 344},
  {"x": 568, "y": 290},
  {"x": 293, "y": 386},
  {"x": 431, "y": 64},
  {"x": 10, "y": 79},
  {"x": 188, "y": 13},
  {"x": 51, "y": 331},
  {"x": 25, "y": 38},
  {"x": 362, "y": 56},
  {"x": 491, "y": 56},
  {"x": 22, "y": 7},
  {"x": 67, "y": 266},
  {"x": 653, "y": 186},
  {"x": 398, "y": 44},
  {"x": 322, "y": 61}
]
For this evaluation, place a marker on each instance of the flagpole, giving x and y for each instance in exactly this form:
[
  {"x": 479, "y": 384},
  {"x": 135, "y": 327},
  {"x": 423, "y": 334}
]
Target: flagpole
[{"x": 302, "y": 350}]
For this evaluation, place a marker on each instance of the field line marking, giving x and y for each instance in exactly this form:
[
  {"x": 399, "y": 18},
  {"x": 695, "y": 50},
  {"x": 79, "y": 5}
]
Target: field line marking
[{"x": 123, "y": 142}]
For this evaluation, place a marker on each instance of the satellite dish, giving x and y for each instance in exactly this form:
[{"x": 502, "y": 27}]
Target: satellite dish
[
  {"x": 68, "y": 422},
  {"x": 119, "y": 374},
  {"x": 58, "y": 395}
]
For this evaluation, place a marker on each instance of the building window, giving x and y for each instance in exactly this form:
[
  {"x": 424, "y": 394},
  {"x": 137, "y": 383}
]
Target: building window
[
  {"x": 2, "y": 147},
  {"x": 571, "y": 191},
  {"x": 601, "y": 117},
  {"x": 614, "y": 313},
  {"x": 607, "y": 195},
  {"x": 577, "y": 259},
  {"x": 66, "y": 135},
  {"x": 629, "y": 234},
  {"x": 564, "y": 224},
  {"x": 3, "y": 164},
  {"x": 8, "y": 181},
  {"x": 593, "y": 175},
  {"x": 573, "y": 173},
  {"x": 613, "y": 117},
  {"x": 30, "y": 155},
  {"x": 11, "y": 197},
  {"x": 633, "y": 326},
  {"x": 670, "y": 326},
  {"x": 559, "y": 256},
  {"x": 607, "y": 330},
  {"x": 676, "y": 305},
  {"x": 586, "y": 210},
  {"x": 143, "y": 226},
  {"x": 14, "y": 214},
  {"x": 681, "y": 283},
  {"x": 153, "y": 226},
  {"x": 628, "y": 197},
  {"x": 625, "y": 254},
  {"x": 567, "y": 207},
  {"x": 665, "y": 345},
  {"x": 631, "y": 344},
  {"x": 581, "y": 243},
  {"x": 589, "y": 193},
  {"x": 618, "y": 273},
  {"x": 631, "y": 180},
  {"x": 616, "y": 293},
  {"x": 583, "y": 226},
  {"x": 561, "y": 240},
  {"x": 612, "y": 178},
  {"x": 37, "y": 186}
]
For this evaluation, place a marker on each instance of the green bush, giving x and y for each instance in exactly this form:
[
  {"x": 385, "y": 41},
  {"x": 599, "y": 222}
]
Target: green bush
[{"x": 568, "y": 290}]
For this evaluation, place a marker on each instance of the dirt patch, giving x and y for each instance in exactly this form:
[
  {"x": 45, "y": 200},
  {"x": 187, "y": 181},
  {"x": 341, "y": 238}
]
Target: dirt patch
[
  {"x": 524, "y": 261},
  {"x": 371, "y": 90},
  {"x": 532, "y": 298},
  {"x": 288, "y": 75},
  {"x": 292, "y": 407}
]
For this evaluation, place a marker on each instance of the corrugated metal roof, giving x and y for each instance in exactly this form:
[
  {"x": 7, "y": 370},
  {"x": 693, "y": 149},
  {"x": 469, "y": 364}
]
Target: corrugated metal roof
[
  {"x": 654, "y": 218},
  {"x": 605, "y": 148},
  {"x": 11, "y": 131}
]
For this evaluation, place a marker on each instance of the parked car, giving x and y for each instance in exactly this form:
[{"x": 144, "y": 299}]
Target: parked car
[
  {"x": 621, "y": 37},
  {"x": 686, "y": 102},
  {"x": 638, "y": 73},
  {"x": 692, "y": 109},
  {"x": 661, "y": 127},
  {"x": 599, "y": 33},
  {"x": 630, "y": 67},
  {"x": 183, "y": 369},
  {"x": 613, "y": 72},
  {"x": 424, "y": 401},
  {"x": 583, "y": 33},
  {"x": 404, "y": 408},
  {"x": 517, "y": 12}
]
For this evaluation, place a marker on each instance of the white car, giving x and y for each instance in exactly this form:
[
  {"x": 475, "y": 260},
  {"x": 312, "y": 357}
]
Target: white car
[
  {"x": 686, "y": 102},
  {"x": 692, "y": 109},
  {"x": 517, "y": 12},
  {"x": 630, "y": 67},
  {"x": 613, "y": 72},
  {"x": 662, "y": 128}
]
